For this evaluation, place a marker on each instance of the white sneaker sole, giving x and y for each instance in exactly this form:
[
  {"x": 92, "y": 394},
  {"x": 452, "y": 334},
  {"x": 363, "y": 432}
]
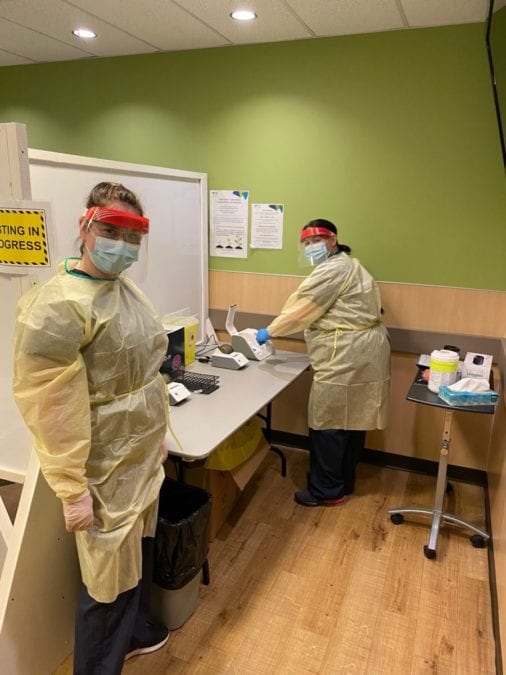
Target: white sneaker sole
[{"x": 146, "y": 650}]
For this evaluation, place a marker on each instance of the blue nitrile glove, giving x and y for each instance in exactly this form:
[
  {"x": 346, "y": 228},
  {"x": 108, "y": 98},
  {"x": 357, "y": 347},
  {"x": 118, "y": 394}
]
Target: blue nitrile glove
[{"x": 262, "y": 336}]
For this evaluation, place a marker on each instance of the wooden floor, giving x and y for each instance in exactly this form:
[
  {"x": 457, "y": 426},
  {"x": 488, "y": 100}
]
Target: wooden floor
[{"x": 336, "y": 590}]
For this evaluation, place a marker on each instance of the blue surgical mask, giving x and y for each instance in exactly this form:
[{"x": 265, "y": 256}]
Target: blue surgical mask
[
  {"x": 316, "y": 253},
  {"x": 113, "y": 256}
]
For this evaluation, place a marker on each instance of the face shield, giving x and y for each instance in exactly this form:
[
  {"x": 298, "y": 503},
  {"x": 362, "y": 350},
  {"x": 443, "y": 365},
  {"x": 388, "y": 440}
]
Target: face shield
[
  {"x": 314, "y": 246},
  {"x": 120, "y": 241}
]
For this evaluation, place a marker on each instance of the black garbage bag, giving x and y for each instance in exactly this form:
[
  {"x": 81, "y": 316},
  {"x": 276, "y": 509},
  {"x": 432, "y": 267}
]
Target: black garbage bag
[{"x": 182, "y": 533}]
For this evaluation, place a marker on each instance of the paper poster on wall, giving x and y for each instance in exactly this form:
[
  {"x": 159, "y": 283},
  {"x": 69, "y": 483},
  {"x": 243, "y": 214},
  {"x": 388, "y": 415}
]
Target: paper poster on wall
[
  {"x": 267, "y": 225},
  {"x": 229, "y": 223},
  {"x": 25, "y": 241}
]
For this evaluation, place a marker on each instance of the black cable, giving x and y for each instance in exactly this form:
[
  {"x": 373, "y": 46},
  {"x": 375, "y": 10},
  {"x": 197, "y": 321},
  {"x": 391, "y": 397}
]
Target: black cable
[{"x": 207, "y": 346}]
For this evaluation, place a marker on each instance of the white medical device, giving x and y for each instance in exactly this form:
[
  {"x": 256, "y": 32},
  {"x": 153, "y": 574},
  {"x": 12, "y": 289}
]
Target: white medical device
[
  {"x": 244, "y": 341},
  {"x": 233, "y": 361},
  {"x": 177, "y": 393}
]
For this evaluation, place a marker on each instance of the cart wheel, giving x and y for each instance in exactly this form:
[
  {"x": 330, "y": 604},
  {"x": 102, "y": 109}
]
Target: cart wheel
[
  {"x": 449, "y": 488},
  {"x": 429, "y": 552},
  {"x": 477, "y": 541},
  {"x": 397, "y": 518}
]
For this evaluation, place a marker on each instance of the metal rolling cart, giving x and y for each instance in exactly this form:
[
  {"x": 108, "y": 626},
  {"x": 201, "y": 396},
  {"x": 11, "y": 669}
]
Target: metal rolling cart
[{"x": 420, "y": 393}]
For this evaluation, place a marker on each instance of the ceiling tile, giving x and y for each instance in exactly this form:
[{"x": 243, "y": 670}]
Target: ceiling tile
[
  {"x": 444, "y": 12},
  {"x": 345, "y": 17},
  {"x": 275, "y": 22},
  {"x": 57, "y": 19},
  {"x": 35, "y": 46},
  {"x": 159, "y": 22},
  {"x": 8, "y": 59}
]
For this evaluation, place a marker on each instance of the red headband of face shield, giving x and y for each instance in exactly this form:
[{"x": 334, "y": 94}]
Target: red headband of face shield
[
  {"x": 118, "y": 218},
  {"x": 315, "y": 232}
]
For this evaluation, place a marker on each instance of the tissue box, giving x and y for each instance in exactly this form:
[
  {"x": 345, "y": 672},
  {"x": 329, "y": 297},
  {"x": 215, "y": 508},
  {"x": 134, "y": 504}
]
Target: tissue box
[
  {"x": 467, "y": 398},
  {"x": 477, "y": 365}
]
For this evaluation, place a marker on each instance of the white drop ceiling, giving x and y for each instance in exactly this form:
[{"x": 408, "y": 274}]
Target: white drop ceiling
[{"x": 35, "y": 31}]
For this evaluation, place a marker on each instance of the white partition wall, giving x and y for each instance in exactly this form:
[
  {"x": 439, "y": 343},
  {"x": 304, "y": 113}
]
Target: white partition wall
[
  {"x": 40, "y": 577},
  {"x": 174, "y": 201},
  {"x": 14, "y": 185},
  {"x": 39, "y": 584}
]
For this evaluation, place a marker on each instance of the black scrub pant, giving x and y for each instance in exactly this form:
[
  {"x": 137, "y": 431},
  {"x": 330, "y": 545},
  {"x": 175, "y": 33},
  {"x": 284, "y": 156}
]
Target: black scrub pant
[
  {"x": 333, "y": 459},
  {"x": 103, "y": 630}
]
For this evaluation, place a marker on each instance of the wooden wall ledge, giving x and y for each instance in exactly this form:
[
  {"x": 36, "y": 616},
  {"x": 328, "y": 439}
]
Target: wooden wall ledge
[{"x": 402, "y": 339}]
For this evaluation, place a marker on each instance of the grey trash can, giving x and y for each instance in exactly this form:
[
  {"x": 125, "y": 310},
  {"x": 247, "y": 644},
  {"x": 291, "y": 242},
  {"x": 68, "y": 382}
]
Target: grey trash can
[{"x": 181, "y": 548}]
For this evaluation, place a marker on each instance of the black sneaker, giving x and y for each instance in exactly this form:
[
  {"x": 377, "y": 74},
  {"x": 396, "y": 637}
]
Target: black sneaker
[
  {"x": 305, "y": 498},
  {"x": 156, "y": 636}
]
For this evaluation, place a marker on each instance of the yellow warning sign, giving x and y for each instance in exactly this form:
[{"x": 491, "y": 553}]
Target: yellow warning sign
[{"x": 23, "y": 237}]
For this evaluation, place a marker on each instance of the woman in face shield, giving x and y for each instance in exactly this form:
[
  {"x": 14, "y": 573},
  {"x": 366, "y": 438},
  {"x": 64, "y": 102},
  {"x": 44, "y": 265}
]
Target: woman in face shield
[
  {"x": 88, "y": 349},
  {"x": 338, "y": 307}
]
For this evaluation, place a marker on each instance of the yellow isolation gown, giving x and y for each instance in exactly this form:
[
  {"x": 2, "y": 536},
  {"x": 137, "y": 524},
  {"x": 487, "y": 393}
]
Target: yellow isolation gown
[
  {"x": 86, "y": 380},
  {"x": 338, "y": 306}
]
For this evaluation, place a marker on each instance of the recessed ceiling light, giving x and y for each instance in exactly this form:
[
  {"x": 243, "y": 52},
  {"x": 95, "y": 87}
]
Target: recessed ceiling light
[
  {"x": 243, "y": 15},
  {"x": 85, "y": 33}
]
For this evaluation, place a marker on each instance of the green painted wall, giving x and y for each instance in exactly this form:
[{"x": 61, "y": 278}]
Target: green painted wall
[{"x": 392, "y": 136}]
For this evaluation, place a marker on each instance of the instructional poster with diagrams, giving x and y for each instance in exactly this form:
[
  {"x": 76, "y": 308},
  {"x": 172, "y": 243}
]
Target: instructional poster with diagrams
[
  {"x": 229, "y": 223},
  {"x": 267, "y": 226}
]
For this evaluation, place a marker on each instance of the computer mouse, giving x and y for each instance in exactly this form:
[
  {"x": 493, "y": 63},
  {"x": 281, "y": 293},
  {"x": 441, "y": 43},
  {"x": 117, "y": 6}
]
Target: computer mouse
[{"x": 225, "y": 348}]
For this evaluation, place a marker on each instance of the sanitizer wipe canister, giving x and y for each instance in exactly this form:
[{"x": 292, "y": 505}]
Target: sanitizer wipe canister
[{"x": 443, "y": 368}]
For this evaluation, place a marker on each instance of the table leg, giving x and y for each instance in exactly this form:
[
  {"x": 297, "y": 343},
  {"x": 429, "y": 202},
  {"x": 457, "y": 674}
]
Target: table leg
[
  {"x": 267, "y": 418},
  {"x": 436, "y": 513},
  {"x": 441, "y": 484}
]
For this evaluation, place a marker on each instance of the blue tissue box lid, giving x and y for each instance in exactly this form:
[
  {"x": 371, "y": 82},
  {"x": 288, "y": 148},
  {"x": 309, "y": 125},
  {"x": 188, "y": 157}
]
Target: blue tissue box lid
[{"x": 470, "y": 398}]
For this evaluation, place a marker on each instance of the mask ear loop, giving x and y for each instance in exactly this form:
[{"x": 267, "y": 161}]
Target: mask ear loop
[
  {"x": 88, "y": 227},
  {"x": 88, "y": 224}
]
